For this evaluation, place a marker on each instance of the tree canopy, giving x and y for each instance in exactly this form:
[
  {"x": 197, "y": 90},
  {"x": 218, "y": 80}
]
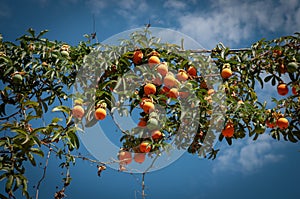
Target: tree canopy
[{"x": 183, "y": 99}]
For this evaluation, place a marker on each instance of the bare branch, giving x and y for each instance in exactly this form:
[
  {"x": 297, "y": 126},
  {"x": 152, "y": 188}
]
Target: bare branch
[{"x": 44, "y": 174}]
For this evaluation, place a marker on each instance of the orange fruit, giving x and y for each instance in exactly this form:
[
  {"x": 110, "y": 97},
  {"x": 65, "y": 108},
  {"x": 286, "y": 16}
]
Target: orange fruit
[
  {"x": 78, "y": 111},
  {"x": 271, "y": 124},
  {"x": 173, "y": 93},
  {"x": 228, "y": 131},
  {"x": 149, "y": 89},
  {"x": 282, "y": 68},
  {"x": 142, "y": 123},
  {"x": 153, "y": 60},
  {"x": 282, "y": 123},
  {"x": 294, "y": 90},
  {"x": 282, "y": 89},
  {"x": 170, "y": 81},
  {"x": 162, "y": 69},
  {"x": 156, "y": 134},
  {"x": 164, "y": 90},
  {"x": 139, "y": 157},
  {"x": 240, "y": 102},
  {"x": 182, "y": 76},
  {"x": 226, "y": 73},
  {"x": 100, "y": 113},
  {"x": 210, "y": 91},
  {"x": 277, "y": 52},
  {"x": 145, "y": 147},
  {"x": 125, "y": 157},
  {"x": 192, "y": 71},
  {"x": 137, "y": 57},
  {"x": 143, "y": 100},
  {"x": 148, "y": 107}
]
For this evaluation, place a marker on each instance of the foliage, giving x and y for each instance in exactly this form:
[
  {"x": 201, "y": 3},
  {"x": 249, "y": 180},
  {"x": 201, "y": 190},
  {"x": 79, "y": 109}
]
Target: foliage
[{"x": 38, "y": 75}]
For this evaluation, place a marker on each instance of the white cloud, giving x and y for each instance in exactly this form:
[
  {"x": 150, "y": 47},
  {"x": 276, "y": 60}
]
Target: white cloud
[
  {"x": 4, "y": 10},
  {"x": 96, "y": 6},
  {"x": 249, "y": 156},
  {"x": 234, "y": 21},
  {"x": 132, "y": 11},
  {"x": 174, "y": 4}
]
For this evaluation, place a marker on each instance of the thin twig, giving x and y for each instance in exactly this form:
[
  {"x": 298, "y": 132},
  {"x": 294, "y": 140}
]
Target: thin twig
[
  {"x": 6, "y": 118},
  {"x": 210, "y": 51},
  {"x": 143, "y": 176},
  {"x": 44, "y": 174}
]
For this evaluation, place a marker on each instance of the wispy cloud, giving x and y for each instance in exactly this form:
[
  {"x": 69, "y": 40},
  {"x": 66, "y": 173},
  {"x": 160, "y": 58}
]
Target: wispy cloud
[
  {"x": 175, "y": 4},
  {"x": 233, "y": 21},
  {"x": 96, "y": 6},
  {"x": 133, "y": 11},
  {"x": 248, "y": 156},
  {"x": 4, "y": 10}
]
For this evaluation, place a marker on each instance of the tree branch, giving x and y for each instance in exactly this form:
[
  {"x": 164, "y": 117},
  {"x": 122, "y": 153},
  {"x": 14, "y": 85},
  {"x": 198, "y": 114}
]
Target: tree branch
[{"x": 44, "y": 174}]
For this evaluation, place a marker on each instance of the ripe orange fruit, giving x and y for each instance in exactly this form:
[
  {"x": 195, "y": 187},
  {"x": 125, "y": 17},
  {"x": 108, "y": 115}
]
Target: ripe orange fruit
[
  {"x": 137, "y": 57},
  {"x": 100, "y": 113},
  {"x": 282, "y": 123},
  {"x": 145, "y": 147},
  {"x": 226, "y": 73},
  {"x": 156, "y": 134},
  {"x": 144, "y": 99},
  {"x": 162, "y": 69},
  {"x": 277, "y": 52},
  {"x": 173, "y": 93},
  {"x": 192, "y": 71},
  {"x": 164, "y": 90},
  {"x": 142, "y": 123},
  {"x": 148, "y": 107},
  {"x": 282, "y": 89},
  {"x": 282, "y": 68},
  {"x": 210, "y": 91},
  {"x": 125, "y": 157},
  {"x": 294, "y": 90},
  {"x": 139, "y": 157},
  {"x": 271, "y": 124},
  {"x": 78, "y": 111},
  {"x": 153, "y": 60},
  {"x": 228, "y": 131},
  {"x": 170, "y": 81},
  {"x": 182, "y": 76},
  {"x": 149, "y": 89}
]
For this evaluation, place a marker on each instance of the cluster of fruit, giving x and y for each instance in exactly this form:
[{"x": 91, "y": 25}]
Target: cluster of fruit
[
  {"x": 167, "y": 84},
  {"x": 276, "y": 119},
  {"x": 78, "y": 110}
]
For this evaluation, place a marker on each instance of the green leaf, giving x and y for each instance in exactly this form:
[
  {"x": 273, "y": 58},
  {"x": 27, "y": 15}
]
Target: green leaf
[
  {"x": 62, "y": 108},
  {"x": 292, "y": 138},
  {"x": 31, "y": 104},
  {"x": 3, "y": 197},
  {"x": 42, "y": 33},
  {"x": 73, "y": 138},
  {"x": 31, "y": 159},
  {"x": 56, "y": 136},
  {"x": 31, "y": 31},
  {"x": 8, "y": 71},
  {"x": 273, "y": 81},
  {"x": 9, "y": 183},
  {"x": 37, "y": 151},
  {"x": 229, "y": 140}
]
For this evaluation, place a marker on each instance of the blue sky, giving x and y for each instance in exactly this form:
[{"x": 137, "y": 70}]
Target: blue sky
[{"x": 262, "y": 169}]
